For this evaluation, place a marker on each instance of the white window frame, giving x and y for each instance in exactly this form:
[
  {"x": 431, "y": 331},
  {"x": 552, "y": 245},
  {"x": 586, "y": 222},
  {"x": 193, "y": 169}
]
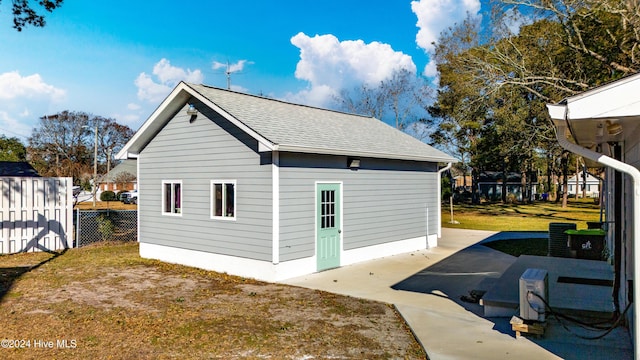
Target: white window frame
[
  {"x": 172, "y": 212},
  {"x": 224, "y": 199}
]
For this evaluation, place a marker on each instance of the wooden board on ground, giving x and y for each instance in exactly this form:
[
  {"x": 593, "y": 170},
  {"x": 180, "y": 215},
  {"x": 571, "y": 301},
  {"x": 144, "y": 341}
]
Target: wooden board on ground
[{"x": 522, "y": 326}]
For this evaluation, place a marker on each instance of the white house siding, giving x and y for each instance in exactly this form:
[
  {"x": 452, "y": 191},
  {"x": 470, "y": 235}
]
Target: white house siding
[
  {"x": 383, "y": 201},
  {"x": 209, "y": 148}
]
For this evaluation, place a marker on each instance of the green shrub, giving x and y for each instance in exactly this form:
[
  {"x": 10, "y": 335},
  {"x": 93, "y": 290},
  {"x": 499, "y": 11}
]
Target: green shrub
[
  {"x": 105, "y": 227},
  {"x": 108, "y": 196}
]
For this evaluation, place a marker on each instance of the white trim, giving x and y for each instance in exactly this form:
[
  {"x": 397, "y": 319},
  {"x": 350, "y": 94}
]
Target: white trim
[
  {"x": 439, "y": 202},
  {"x": 351, "y": 152},
  {"x": 387, "y": 249},
  {"x": 256, "y": 269},
  {"x": 224, "y": 192},
  {"x": 275, "y": 206},
  {"x": 166, "y": 107},
  {"x": 139, "y": 197},
  {"x": 162, "y": 198},
  {"x": 266, "y": 270}
]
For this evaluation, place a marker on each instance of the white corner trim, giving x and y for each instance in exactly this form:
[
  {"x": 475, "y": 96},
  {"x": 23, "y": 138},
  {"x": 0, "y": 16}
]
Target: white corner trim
[
  {"x": 275, "y": 203},
  {"x": 137, "y": 185}
]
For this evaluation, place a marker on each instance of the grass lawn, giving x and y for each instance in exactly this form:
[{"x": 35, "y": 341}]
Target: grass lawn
[
  {"x": 105, "y": 302},
  {"x": 520, "y": 217},
  {"x": 103, "y": 205}
]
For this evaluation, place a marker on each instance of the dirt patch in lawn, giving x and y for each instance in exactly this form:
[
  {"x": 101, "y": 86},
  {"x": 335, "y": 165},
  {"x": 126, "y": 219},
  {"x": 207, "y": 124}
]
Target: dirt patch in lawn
[{"x": 106, "y": 302}]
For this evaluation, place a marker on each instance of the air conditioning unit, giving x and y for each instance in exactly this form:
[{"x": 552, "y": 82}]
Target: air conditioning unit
[{"x": 534, "y": 291}]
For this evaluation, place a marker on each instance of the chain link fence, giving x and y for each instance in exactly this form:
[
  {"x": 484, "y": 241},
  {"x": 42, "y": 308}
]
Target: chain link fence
[{"x": 93, "y": 226}]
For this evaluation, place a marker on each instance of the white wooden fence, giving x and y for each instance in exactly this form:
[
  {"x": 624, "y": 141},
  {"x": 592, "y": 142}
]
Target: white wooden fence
[{"x": 36, "y": 213}]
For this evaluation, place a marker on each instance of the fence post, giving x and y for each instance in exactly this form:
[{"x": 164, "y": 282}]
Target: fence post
[{"x": 78, "y": 228}]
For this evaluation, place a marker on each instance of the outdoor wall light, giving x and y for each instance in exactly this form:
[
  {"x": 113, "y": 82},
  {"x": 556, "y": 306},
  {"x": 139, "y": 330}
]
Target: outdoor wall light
[
  {"x": 192, "y": 111},
  {"x": 614, "y": 129},
  {"x": 353, "y": 163}
]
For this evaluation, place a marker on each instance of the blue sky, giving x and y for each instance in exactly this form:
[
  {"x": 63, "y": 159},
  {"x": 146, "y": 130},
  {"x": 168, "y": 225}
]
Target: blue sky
[{"x": 119, "y": 59}]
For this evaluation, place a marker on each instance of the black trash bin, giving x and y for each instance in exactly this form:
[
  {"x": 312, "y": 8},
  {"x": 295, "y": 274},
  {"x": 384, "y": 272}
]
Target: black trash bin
[
  {"x": 588, "y": 244},
  {"x": 558, "y": 239},
  {"x": 594, "y": 225}
]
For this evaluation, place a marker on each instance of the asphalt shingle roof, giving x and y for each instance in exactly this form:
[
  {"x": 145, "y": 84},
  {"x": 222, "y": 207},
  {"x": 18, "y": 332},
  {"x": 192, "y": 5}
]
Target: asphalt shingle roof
[
  {"x": 303, "y": 127},
  {"x": 14, "y": 168}
]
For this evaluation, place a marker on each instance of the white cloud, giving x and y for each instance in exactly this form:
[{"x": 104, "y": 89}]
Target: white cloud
[
  {"x": 13, "y": 85},
  {"x": 434, "y": 16},
  {"x": 11, "y": 127},
  {"x": 133, "y": 107},
  {"x": 239, "y": 66},
  {"x": 330, "y": 65},
  {"x": 23, "y": 99},
  {"x": 514, "y": 20},
  {"x": 168, "y": 76}
]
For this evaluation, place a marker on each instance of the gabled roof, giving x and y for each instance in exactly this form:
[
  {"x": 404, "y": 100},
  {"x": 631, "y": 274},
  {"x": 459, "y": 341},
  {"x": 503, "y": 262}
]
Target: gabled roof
[
  {"x": 126, "y": 166},
  {"x": 13, "y": 168},
  {"x": 282, "y": 126}
]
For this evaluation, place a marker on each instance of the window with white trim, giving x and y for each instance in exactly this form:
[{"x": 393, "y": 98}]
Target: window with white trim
[
  {"x": 223, "y": 199},
  {"x": 171, "y": 197}
]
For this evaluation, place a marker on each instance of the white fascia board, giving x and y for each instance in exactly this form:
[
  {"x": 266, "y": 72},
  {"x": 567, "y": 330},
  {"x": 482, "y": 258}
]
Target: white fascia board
[
  {"x": 557, "y": 111},
  {"x": 125, "y": 155},
  {"x": 326, "y": 151},
  {"x": 613, "y": 100},
  {"x": 142, "y": 137},
  {"x": 176, "y": 100}
]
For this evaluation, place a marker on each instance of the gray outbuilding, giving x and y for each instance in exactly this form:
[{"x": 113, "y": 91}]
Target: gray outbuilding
[{"x": 267, "y": 189}]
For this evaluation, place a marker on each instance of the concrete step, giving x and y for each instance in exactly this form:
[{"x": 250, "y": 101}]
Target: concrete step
[{"x": 576, "y": 287}]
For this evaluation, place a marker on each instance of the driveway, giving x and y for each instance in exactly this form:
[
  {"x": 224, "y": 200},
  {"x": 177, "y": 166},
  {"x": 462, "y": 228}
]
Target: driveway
[{"x": 427, "y": 292}]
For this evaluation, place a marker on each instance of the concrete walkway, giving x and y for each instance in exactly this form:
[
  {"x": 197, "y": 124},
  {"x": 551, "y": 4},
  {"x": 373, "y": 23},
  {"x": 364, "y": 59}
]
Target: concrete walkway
[{"x": 447, "y": 327}]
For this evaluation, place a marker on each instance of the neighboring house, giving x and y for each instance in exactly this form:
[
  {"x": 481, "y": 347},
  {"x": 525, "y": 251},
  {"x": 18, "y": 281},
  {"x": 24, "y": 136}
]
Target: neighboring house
[
  {"x": 490, "y": 185},
  {"x": 36, "y": 212},
  {"x": 462, "y": 183},
  {"x": 123, "y": 177},
  {"x": 591, "y": 186},
  {"x": 266, "y": 189},
  {"x": 602, "y": 127}
]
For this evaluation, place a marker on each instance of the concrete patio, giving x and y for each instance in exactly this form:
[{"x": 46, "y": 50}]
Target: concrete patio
[{"x": 427, "y": 288}]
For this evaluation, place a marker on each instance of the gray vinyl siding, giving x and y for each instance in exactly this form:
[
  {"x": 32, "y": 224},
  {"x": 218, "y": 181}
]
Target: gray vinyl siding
[
  {"x": 383, "y": 201},
  {"x": 209, "y": 148}
]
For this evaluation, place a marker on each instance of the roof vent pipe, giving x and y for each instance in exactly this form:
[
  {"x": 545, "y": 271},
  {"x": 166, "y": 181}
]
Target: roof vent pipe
[{"x": 561, "y": 125}]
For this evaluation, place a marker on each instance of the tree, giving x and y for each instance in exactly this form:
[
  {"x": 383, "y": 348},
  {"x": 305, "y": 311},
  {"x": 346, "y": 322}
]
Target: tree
[
  {"x": 111, "y": 138},
  {"x": 460, "y": 109},
  {"x": 395, "y": 100},
  {"x": 12, "y": 149},
  {"x": 64, "y": 144},
  {"x": 495, "y": 81},
  {"x": 59, "y": 146},
  {"x": 606, "y": 31},
  {"x": 123, "y": 178},
  {"x": 25, "y": 14}
]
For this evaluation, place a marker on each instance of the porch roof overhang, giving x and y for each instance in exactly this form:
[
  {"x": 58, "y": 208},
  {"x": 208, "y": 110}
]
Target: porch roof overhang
[{"x": 604, "y": 115}]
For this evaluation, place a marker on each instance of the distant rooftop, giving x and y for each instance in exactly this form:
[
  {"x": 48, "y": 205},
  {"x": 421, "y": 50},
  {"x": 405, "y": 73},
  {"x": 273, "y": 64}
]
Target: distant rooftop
[{"x": 12, "y": 168}]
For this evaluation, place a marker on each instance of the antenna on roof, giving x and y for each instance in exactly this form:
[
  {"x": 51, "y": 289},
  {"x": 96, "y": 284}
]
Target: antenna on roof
[
  {"x": 228, "y": 72},
  {"x": 230, "y": 69}
]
